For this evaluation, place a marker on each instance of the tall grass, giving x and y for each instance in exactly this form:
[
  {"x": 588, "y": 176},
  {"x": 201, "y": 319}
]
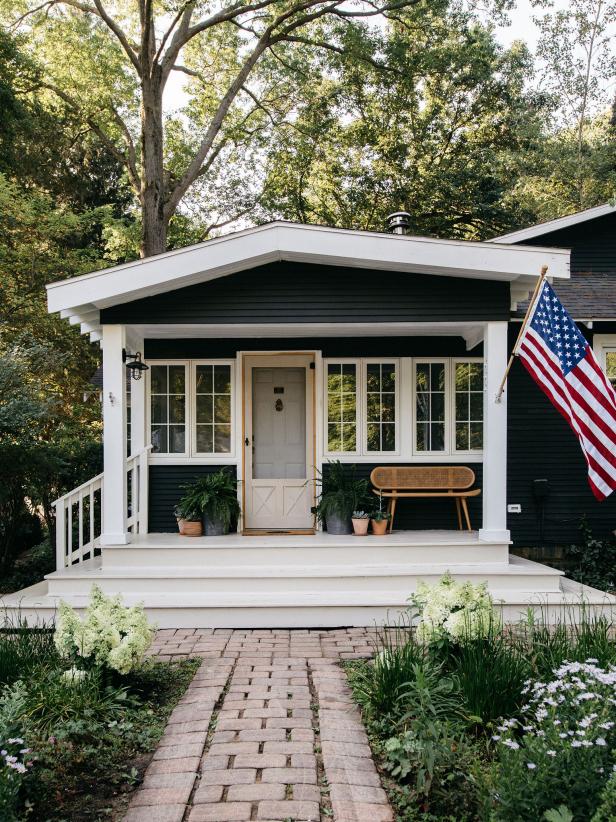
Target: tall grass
[
  {"x": 397, "y": 654},
  {"x": 491, "y": 673},
  {"x": 579, "y": 634},
  {"x": 24, "y": 649}
]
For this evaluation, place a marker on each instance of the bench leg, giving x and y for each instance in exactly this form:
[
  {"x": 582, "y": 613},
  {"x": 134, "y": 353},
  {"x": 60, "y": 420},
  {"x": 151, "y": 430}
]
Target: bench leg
[
  {"x": 392, "y": 511},
  {"x": 459, "y": 513},
  {"x": 466, "y": 516}
]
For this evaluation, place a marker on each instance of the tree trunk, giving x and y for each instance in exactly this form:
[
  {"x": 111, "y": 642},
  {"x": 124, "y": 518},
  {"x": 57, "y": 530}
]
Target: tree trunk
[{"x": 154, "y": 223}]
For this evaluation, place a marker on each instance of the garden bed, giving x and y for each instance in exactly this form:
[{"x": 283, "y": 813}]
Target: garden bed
[
  {"x": 469, "y": 720},
  {"x": 76, "y": 742}
]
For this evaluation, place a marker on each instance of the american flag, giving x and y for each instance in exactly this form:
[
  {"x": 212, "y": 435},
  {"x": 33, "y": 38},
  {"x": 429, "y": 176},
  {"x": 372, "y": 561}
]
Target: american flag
[{"x": 563, "y": 365}]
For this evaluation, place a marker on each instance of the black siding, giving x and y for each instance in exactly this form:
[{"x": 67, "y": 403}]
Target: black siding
[
  {"x": 303, "y": 293},
  {"x": 420, "y": 514},
  {"x": 540, "y": 444},
  {"x": 329, "y": 346},
  {"x": 165, "y": 490}
]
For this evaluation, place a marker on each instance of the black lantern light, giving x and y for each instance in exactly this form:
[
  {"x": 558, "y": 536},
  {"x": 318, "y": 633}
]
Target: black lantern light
[{"x": 134, "y": 363}]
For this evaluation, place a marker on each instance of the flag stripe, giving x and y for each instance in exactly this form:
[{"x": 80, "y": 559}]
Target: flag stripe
[
  {"x": 595, "y": 459},
  {"x": 560, "y": 360}
]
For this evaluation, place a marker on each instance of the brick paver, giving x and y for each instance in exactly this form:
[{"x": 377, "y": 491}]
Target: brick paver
[{"x": 267, "y": 730}]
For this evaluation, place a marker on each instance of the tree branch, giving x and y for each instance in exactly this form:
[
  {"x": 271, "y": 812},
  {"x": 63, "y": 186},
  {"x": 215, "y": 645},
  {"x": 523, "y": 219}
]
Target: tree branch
[
  {"x": 120, "y": 35},
  {"x": 128, "y": 161}
]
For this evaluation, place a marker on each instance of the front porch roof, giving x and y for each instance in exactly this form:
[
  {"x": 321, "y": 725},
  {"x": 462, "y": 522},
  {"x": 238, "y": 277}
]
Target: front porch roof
[{"x": 80, "y": 299}]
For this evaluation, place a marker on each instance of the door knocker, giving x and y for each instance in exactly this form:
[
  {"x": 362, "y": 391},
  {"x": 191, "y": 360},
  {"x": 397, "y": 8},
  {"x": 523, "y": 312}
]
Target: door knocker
[{"x": 278, "y": 405}]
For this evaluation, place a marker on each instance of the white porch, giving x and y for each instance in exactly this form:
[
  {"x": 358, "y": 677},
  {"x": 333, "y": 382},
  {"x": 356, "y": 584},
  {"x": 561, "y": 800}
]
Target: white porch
[{"x": 288, "y": 581}]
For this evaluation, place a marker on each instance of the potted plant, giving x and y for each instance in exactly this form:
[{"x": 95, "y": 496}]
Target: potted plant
[
  {"x": 188, "y": 517},
  {"x": 361, "y": 521},
  {"x": 341, "y": 494},
  {"x": 380, "y": 521},
  {"x": 215, "y": 496}
]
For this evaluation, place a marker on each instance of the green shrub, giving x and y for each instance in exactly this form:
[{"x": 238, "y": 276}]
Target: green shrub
[
  {"x": 606, "y": 812},
  {"x": 378, "y": 685},
  {"x": 592, "y": 561},
  {"x": 579, "y": 634},
  {"x": 23, "y": 649},
  {"x": 30, "y": 567},
  {"x": 560, "y": 752},
  {"x": 342, "y": 492},
  {"x": 491, "y": 673}
]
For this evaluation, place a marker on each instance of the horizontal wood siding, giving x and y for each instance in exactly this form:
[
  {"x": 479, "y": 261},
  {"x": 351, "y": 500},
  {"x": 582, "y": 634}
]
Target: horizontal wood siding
[
  {"x": 165, "y": 490},
  {"x": 592, "y": 244},
  {"x": 541, "y": 445},
  {"x": 303, "y": 293},
  {"x": 430, "y": 514},
  {"x": 329, "y": 346}
]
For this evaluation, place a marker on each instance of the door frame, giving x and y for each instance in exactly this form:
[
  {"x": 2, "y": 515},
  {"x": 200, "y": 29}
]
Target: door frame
[{"x": 311, "y": 415}]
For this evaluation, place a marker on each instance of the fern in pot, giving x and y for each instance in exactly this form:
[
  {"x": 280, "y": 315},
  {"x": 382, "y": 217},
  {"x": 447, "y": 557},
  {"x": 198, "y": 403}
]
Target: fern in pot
[
  {"x": 188, "y": 516},
  {"x": 216, "y": 498},
  {"x": 342, "y": 493}
]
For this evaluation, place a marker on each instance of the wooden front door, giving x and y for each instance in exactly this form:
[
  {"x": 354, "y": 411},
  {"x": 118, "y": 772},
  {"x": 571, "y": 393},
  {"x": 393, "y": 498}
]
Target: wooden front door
[{"x": 278, "y": 442}]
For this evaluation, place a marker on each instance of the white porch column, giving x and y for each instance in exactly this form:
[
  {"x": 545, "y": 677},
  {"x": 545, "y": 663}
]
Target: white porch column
[
  {"x": 494, "y": 485},
  {"x": 114, "y": 437}
]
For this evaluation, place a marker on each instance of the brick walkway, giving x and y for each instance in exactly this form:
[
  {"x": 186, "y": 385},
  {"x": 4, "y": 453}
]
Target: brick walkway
[{"x": 267, "y": 730}]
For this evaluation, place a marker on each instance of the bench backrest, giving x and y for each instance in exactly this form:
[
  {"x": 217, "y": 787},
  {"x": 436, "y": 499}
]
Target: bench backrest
[{"x": 422, "y": 477}]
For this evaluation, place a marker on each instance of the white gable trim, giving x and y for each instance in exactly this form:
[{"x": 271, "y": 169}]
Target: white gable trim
[
  {"x": 301, "y": 243},
  {"x": 554, "y": 225}
]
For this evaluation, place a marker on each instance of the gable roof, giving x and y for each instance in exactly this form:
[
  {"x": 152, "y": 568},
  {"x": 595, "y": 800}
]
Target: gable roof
[
  {"x": 524, "y": 234},
  {"x": 80, "y": 299}
]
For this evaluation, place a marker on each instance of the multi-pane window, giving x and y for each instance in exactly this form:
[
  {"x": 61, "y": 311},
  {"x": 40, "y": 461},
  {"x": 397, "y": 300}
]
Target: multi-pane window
[
  {"x": 610, "y": 366},
  {"x": 468, "y": 383},
  {"x": 213, "y": 409},
  {"x": 430, "y": 397},
  {"x": 380, "y": 406},
  {"x": 341, "y": 408},
  {"x": 168, "y": 409}
]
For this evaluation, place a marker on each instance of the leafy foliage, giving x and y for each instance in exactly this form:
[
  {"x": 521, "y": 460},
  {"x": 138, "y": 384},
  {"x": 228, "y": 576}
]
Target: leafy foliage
[
  {"x": 593, "y": 561},
  {"x": 213, "y": 496},
  {"x": 342, "y": 492}
]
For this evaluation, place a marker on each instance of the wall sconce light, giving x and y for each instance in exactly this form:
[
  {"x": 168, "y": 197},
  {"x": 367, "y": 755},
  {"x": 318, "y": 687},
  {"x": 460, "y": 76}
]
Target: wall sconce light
[{"x": 134, "y": 363}]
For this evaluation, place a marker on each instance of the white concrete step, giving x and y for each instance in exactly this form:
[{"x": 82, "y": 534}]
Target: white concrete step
[
  {"x": 305, "y": 609},
  {"x": 399, "y": 579},
  {"x": 415, "y": 547}
]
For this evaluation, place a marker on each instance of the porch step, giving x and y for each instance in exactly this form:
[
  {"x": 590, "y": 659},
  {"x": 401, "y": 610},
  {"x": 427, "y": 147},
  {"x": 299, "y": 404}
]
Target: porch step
[
  {"x": 305, "y": 609},
  {"x": 400, "y": 579},
  {"x": 405, "y": 547}
]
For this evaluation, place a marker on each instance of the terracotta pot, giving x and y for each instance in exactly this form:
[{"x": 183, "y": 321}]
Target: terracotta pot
[
  {"x": 360, "y": 526},
  {"x": 189, "y": 528},
  {"x": 379, "y": 526}
]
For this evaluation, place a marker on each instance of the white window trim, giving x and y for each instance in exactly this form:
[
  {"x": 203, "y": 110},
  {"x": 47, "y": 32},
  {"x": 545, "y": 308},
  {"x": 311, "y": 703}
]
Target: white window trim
[
  {"x": 177, "y": 455},
  {"x": 208, "y": 455},
  {"x": 364, "y": 407},
  {"x": 446, "y": 361},
  {"x": 406, "y": 448},
  {"x": 327, "y": 361},
  {"x": 361, "y": 412},
  {"x": 601, "y": 344},
  {"x": 190, "y": 454},
  {"x": 453, "y": 450}
]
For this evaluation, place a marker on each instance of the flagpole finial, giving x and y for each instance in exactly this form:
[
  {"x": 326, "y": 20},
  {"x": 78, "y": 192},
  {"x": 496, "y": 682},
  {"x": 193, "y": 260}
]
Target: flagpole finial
[{"x": 544, "y": 270}]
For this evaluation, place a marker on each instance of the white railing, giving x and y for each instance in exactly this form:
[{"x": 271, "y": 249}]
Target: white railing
[{"x": 79, "y": 514}]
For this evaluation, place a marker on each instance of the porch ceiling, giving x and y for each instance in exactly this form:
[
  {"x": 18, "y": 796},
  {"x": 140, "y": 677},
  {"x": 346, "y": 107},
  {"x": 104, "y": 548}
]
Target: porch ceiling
[{"x": 80, "y": 298}]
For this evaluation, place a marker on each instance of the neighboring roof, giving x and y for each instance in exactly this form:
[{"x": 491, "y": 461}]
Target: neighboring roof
[
  {"x": 548, "y": 227},
  {"x": 585, "y": 296},
  {"x": 80, "y": 299}
]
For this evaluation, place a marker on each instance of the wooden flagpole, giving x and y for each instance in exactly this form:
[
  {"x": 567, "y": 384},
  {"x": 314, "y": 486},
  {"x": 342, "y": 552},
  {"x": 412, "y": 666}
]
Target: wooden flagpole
[{"x": 544, "y": 271}]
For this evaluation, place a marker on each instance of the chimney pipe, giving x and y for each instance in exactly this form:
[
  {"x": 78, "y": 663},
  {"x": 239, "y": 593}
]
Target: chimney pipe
[{"x": 398, "y": 222}]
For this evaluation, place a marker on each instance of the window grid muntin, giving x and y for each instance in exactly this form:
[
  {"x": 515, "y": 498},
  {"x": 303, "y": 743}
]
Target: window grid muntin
[
  {"x": 332, "y": 369},
  {"x": 384, "y": 396},
  {"x": 435, "y": 416},
  {"x": 472, "y": 392},
  {"x": 169, "y": 402},
  {"x": 213, "y": 369}
]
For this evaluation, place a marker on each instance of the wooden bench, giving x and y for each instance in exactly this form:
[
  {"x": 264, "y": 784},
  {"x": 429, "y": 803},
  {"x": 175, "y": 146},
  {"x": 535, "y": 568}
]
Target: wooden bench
[{"x": 404, "y": 482}]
